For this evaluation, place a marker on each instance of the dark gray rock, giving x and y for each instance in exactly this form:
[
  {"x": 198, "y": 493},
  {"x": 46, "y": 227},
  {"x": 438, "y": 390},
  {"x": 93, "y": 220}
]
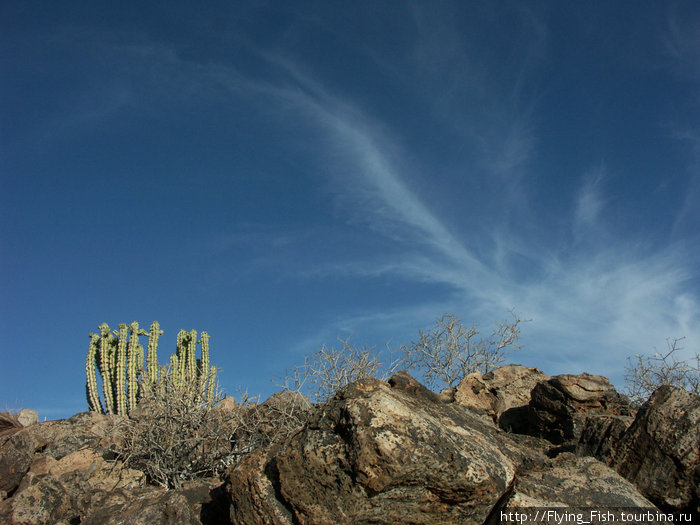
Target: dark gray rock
[
  {"x": 600, "y": 436},
  {"x": 559, "y": 407},
  {"x": 660, "y": 452}
]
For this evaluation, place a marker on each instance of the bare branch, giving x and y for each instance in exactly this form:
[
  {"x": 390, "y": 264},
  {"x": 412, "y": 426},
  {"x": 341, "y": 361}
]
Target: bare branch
[
  {"x": 450, "y": 351},
  {"x": 645, "y": 374}
]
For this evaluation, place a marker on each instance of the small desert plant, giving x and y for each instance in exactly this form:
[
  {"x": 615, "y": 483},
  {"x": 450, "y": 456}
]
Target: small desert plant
[
  {"x": 173, "y": 435},
  {"x": 329, "y": 369},
  {"x": 645, "y": 374},
  {"x": 450, "y": 351}
]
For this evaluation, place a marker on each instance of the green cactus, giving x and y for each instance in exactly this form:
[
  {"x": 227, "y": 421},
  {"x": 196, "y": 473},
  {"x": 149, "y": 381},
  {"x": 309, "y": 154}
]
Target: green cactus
[
  {"x": 188, "y": 370},
  {"x": 120, "y": 370},
  {"x": 134, "y": 363},
  {"x": 152, "y": 358},
  {"x": 106, "y": 367},
  {"x": 119, "y": 358},
  {"x": 91, "y": 385}
]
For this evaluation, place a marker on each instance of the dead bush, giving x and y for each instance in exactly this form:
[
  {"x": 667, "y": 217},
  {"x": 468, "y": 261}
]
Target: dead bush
[
  {"x": 451, "y": 350},
  {"x": 329, "y": 369},
  {"x": 174, "y": 436},
  {"x": 645, "y": 374}
]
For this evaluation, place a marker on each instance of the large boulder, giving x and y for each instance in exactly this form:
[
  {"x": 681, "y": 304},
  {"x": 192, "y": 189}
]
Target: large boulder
[
  {"x": 660, "y": 452},
  {"x": 376, "y": 454},
  {"x": 503, "y": 394},
  {"x": 53, "y": 489},
  {"x": 559, "y": 407}
]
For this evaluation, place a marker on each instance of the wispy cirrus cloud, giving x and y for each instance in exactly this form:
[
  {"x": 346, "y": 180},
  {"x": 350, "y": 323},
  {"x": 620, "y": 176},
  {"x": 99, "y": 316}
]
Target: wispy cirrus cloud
[{"x": 591, "y": 303}]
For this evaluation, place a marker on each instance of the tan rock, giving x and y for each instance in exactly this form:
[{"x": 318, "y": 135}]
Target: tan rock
[
  {"x": 28, "y": 417},
  {"x": 503, "y": 394}
]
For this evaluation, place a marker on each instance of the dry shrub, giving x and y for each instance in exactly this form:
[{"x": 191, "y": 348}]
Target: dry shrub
[
  {"x": 173, "y": 436},
  {"x": 645, "y": 374},
  {"x": 450, "y": 351},
  {"x": 329, "y": 369}
]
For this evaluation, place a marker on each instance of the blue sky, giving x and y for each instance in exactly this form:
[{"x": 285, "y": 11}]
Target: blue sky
[{"x": 284, "y": 173}]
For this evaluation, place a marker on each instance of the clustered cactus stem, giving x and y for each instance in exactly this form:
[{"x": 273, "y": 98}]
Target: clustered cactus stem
[
  {"x": 188, "y": 370},
  {"x": 120, "y": 383},
  {"x": 119, "y": 358},
  {"x": 152, "y": 357},
  {"x": 91, "y": 386},
  {"x": 107, "y": 366}
]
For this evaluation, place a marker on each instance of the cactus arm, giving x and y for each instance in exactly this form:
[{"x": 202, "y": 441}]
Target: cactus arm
[
  {"x": 204, "y": 371},
  {"x": 105, "y": 368},
  {"x": 121, "y": 370},
  {"x": 152, "y": 357},
  {"x": 134, "y": 355},
  {"x": 93, "y": 397},
  {"x": 181, "y": 354},
  {"x": 175, "y": 367},
  {"x": 212, "y": 385},
  {"x": 192, "y": 357}
]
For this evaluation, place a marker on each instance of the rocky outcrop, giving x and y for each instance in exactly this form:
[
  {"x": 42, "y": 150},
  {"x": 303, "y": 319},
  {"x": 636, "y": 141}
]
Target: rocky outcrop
[
  {"x": 377, "y": 452},
  {"x": 503, "y": 394},
  {"x": 660, "y": 452},
  {"x": 397, "y": 453},
  {"x": 559, "y": 407},
  {"x": 64, "y": 472}
]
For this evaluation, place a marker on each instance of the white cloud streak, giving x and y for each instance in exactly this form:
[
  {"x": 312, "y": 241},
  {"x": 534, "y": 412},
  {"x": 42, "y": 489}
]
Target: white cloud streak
[{"x": 591, "y": 304}]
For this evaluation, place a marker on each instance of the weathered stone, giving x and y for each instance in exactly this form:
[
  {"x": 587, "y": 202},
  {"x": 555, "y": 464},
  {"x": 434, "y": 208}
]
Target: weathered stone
[
  {"x": 558, "y": 407},
  {"x": 570, "y": 481},
  {"x": 660, "y": 452},
  {"x": 53, "y": 489},
  {"x": 27, "y": 417},
  {"x": 600, "y": 435},
  {"x": 227, "y": 403},
  {"x": 502, "y": 393},
  {"x": 377, "y": 454},
  {"x": 42, "y": 503},
  {"x": 16, "y": 453},
  {"x": 142, "y": 507},
  {"x": 9, "y": 424}
]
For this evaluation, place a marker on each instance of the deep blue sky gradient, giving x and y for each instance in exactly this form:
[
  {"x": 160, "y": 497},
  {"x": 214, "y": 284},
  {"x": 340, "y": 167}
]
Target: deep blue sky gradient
[{"x": 284, "y": 173}]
